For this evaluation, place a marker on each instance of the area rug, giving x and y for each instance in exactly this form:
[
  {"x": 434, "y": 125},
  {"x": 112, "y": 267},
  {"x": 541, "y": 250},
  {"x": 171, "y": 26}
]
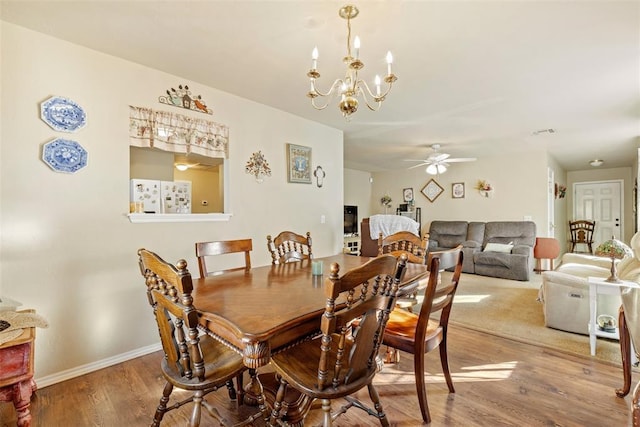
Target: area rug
[{"x": 510, "y": 309}]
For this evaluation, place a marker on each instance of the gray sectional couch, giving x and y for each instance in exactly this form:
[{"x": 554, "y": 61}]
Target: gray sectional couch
[{"x": 498, "y": 249}]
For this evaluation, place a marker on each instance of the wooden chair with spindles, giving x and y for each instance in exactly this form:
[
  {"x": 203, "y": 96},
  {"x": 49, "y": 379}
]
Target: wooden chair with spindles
[
  {"x": 581, "y": 233},
  {"x": 415, "y": 247},
  {"x": 289, "y": 247},
  {"x": 205, "y": 250},
  {"x": 192, "y": 362},
  {"x": 339, "y": 363}
]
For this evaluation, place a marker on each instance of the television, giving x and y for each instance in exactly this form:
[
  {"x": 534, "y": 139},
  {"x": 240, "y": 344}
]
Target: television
[{"x": 350, "y": 220}]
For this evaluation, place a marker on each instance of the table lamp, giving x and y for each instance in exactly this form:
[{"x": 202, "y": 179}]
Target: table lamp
[{"x": 615, "y": 249}]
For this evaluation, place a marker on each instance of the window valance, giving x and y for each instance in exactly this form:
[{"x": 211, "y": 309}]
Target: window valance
[{"x": 177, "y": 133}]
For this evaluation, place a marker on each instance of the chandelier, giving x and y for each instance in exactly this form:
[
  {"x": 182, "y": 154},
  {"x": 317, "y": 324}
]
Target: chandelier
[{"x": 350, "y": 88}]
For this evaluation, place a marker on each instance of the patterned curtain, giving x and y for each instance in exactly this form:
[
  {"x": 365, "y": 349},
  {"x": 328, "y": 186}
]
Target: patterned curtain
[{"x": 177, "y": 133}]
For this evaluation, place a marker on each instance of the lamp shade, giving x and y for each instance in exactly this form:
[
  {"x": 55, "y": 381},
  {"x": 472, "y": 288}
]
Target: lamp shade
[
  {"x": 614, "y": 248},
  {"x": 436, "y": 169}
]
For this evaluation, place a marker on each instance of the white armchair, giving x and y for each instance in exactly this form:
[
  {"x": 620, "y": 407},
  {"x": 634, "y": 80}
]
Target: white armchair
[{"x": 565, "y": 291}]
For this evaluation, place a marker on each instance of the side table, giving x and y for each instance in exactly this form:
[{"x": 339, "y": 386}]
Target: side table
[
  {"x": 16, "y": 374},
  {"x": 599, "y": 286}
]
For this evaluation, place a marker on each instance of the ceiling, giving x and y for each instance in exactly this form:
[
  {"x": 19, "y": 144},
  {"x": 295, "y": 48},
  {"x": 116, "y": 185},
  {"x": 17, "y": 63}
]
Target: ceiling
[{"x": 477, "y": 77}]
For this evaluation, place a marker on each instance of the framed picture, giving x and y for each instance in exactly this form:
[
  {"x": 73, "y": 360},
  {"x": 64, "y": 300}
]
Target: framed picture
[
  {"x": 407, "y": 194},
  {"x": 457, "y": 190},
  {"x": 432, "y": 190},
  {"x": 298, "y": 164}
]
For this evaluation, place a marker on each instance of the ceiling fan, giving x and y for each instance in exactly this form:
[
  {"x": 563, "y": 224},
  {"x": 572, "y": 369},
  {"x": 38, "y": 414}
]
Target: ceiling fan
[{"x": 438, "y": 162}]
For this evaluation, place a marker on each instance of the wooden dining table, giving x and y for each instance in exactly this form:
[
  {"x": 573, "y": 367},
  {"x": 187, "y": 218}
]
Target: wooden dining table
[{"x": 266, "y": 309}]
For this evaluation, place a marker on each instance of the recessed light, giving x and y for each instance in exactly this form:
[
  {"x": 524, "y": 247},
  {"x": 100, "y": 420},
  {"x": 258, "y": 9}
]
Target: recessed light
[{"x": 596, "y": 162}]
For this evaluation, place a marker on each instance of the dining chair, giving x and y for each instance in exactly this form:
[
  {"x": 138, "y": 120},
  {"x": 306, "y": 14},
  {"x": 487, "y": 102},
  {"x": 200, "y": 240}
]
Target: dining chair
[
  {"x": 207, "y": 249},
  {"x": 405, "y": 242},
  {"x": 418, "y": 334},
  {"x": 581, "y": 232},
  {"x": 289, "y": 246},
  {"x": 343, "y": 360},
  {"x": 194, "y": 363}
]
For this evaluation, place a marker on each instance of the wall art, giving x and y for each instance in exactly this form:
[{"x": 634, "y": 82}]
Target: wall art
[
  {"x": 258, "y": 166},
  {"x": 407, "y": 194},
  {"x": 63, "y": 114},
  {"x": 63, "y": 155},
  {"x": 320, "y": 175},
  {"x": 484, "y": 188},
  {"x": 183, "y": 98},
  {"x": 457, "y": 190},
  {"x": 432, "y": 190},
  {"x": 298, "y": 164}
]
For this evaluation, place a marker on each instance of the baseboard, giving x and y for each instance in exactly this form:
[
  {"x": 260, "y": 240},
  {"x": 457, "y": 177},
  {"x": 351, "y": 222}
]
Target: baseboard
[{"x": 91, "y": 367}]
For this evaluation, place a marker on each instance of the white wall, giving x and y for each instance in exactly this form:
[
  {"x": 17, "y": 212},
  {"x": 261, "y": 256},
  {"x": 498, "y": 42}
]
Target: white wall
[
  {"x": 67, "y": 248},
  {"x": 519, "y": 181}
]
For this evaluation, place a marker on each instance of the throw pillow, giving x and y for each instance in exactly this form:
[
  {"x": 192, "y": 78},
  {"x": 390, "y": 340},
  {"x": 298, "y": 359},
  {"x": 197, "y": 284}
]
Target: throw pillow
[{"x": 498, "y": 247}]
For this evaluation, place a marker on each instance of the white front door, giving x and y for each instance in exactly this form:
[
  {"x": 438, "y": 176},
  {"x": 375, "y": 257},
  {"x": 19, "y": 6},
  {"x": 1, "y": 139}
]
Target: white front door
[{"x": 601, "y": 202}]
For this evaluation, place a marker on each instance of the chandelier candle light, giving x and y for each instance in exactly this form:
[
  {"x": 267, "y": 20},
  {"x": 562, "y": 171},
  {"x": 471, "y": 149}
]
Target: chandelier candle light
[{"x": 350, "y": 87}]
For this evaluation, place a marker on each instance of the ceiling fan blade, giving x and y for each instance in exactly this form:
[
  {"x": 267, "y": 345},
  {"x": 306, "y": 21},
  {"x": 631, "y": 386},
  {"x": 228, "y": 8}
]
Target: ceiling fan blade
[
  {"x": 416, "y": 160},
  {"x": 417, "y": 166},
  {"x": 463, "y": 159},
  {"x": 438, "y": 157}
]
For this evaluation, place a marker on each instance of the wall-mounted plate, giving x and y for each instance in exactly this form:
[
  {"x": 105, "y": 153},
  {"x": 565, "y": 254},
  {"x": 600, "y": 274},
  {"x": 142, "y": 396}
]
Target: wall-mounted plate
[
  {"x": 63, "y": 155},
  {"x": 63, "y": 114}
]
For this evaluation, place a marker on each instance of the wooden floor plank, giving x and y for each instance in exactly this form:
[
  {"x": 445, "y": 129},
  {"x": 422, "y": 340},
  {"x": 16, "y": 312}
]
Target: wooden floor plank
[{"x": 499, "y": 382}]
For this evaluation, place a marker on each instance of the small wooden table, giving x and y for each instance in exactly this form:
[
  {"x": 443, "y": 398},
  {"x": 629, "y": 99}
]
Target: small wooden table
[{"x": 16, "y": 374}]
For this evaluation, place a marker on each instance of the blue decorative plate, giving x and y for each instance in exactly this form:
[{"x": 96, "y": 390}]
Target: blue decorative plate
[
  {"x": 63, "y": 114},
  {"x": 63, "y": 155}
]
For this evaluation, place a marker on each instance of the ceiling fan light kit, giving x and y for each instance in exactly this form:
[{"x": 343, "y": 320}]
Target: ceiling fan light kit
[{"x": 351, "y": 87}]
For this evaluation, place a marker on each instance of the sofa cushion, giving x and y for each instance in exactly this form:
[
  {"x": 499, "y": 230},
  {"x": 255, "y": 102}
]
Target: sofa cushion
[
  {"x": 447, "y": 234},
  {"x": 518, "y": 232},
  {"x": 450, "y": 240},
  {"x": 493, "y": 259}
]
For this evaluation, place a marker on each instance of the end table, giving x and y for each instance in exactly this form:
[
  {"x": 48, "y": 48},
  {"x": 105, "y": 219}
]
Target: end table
[
  {"x": 16, "y": 374},
  {"x": 599, "y": 285}
]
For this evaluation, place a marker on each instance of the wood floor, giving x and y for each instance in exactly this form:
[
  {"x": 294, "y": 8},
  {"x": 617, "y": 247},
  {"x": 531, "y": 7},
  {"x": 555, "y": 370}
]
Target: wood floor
[{"x": 498, "y": 382}]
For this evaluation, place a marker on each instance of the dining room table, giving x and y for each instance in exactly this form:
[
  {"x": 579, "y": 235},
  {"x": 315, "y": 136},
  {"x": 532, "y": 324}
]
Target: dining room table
[{"x": 269, "y": 308}]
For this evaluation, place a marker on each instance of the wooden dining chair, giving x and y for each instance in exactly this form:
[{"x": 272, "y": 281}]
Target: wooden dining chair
[
  {"x": 405, "y": 242},
  {"x": 192, "y": 362},
  {"x": 207, "y": 249},
  {"x": 289, "y": 246},
  {"x": 581, "y": 233},
  {"x": 339, "y": 363},
  {"x": 418, "y": 334}
]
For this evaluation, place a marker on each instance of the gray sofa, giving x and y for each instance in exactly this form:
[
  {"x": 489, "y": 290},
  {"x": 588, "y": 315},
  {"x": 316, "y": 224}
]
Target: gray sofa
[{"x": 509, "y": 255}]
